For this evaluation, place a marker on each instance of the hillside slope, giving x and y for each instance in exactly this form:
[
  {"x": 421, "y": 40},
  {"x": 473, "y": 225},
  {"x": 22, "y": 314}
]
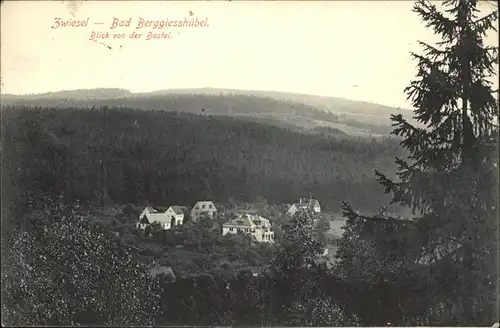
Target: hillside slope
[
  {"x": 134, "y": 156},
  {"x": 298, "y": 111}
]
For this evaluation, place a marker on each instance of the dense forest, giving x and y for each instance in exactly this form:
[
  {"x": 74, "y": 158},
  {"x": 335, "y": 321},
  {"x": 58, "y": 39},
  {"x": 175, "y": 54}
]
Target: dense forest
[
  {"x": 259, "y": 107},
  {"x": 116, "y": 155}
]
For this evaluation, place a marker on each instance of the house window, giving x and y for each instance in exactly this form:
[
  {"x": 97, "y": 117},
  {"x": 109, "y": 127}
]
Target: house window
[
  {"x": 211, "y": 206},
  {"x": 203, "y": 206},
  {"x": 231, "y": 229}
]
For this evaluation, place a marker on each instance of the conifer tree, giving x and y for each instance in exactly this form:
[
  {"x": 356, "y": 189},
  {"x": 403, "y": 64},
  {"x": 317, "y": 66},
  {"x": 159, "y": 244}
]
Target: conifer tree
[{"x": 450, "y": 181}]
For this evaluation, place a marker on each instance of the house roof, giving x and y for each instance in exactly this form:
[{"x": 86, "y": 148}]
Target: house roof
[
  {"x": 144, "y": 219},
  {"x": 177, "y": 209},
  {"x": 150, "y": 209},
  {"x": 248, "y": 220},
  {"x": 205, "y": 205},
  {"x": 263, "y": 222},
  {"x": 159, "y": 217},
  {"x": 314, "y": 202},
  {"x": 243, "y": 220},
  {"x": 184, "y": 209},
  {"x": 306, "y": 203}
]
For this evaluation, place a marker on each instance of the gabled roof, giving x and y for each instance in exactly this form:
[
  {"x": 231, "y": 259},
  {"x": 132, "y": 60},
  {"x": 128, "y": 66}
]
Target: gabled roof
[
  {"x": 144, "y": 219},
  {"x": 159, "y": 217},
  {"x": 177, "y": 209},
  {"x": 150, "y": 209},
  {"x": 185, "y": 210}
]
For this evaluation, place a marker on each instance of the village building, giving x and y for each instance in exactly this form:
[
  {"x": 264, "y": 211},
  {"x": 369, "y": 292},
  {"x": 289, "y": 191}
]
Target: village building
[
  {"x": 304, "y": 204},
  {"x": 203, "y": 209},
  {"x": 147, "y": 210},
  {"x": 253, "y": 224},
  {"x": 177, "y": 214},
  {"x": 151, "y": 215}
]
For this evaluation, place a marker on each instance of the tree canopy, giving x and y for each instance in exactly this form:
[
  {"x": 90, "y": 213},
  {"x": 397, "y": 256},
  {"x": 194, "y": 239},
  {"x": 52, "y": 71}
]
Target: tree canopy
[
  {"x": 63, "y": 270},
  {"x": 449, "y": 180}
]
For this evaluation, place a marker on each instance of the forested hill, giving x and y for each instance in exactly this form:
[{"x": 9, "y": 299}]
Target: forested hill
[
  {"x": 133, "y": 156},
  {"x": 329, "y": 104},
  {"x": 303, "y": 112}
]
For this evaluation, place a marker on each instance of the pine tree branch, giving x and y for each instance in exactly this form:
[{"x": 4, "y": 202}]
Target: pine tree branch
[
  {"x": 436, "y": 91},
  {"x": 389, "y": 185},
  {"x": 431, "y": 51},
  {"x": 417, "y": 140},
  {"x": 434, "y": 19},
  {"x": 485, "y": 23}
]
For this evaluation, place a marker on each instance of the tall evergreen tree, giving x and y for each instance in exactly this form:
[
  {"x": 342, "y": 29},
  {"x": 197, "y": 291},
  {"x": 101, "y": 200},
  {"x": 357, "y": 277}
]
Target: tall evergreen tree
[{"x": 448, "y": 249}]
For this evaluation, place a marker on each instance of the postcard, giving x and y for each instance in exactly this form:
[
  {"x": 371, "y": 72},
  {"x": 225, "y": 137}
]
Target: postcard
[{"x": 249, "y": 163}]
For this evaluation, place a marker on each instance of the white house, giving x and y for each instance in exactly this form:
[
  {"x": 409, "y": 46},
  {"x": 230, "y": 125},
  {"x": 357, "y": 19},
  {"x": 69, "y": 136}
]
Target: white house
[
  {"x": 176, "y": 213},
  {"x": 303, "y": 204},
  {"x": 150, "y": 216},
  {"x": 203, "y": 209},
  {"x": 253, "y": 224},
  {"x": 147, "y": 210}
]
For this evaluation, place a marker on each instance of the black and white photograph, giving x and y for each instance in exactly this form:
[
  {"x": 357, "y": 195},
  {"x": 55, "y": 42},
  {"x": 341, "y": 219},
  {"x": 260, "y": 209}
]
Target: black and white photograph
[{"x": 250, "y": 163}]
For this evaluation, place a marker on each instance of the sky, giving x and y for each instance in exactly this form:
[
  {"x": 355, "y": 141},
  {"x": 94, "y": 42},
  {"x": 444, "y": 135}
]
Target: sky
[{"x": 357, "y": 50}]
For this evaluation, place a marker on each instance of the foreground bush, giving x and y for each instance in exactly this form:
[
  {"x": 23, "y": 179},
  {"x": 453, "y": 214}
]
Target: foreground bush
[{"x": 62, "y": 270}]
